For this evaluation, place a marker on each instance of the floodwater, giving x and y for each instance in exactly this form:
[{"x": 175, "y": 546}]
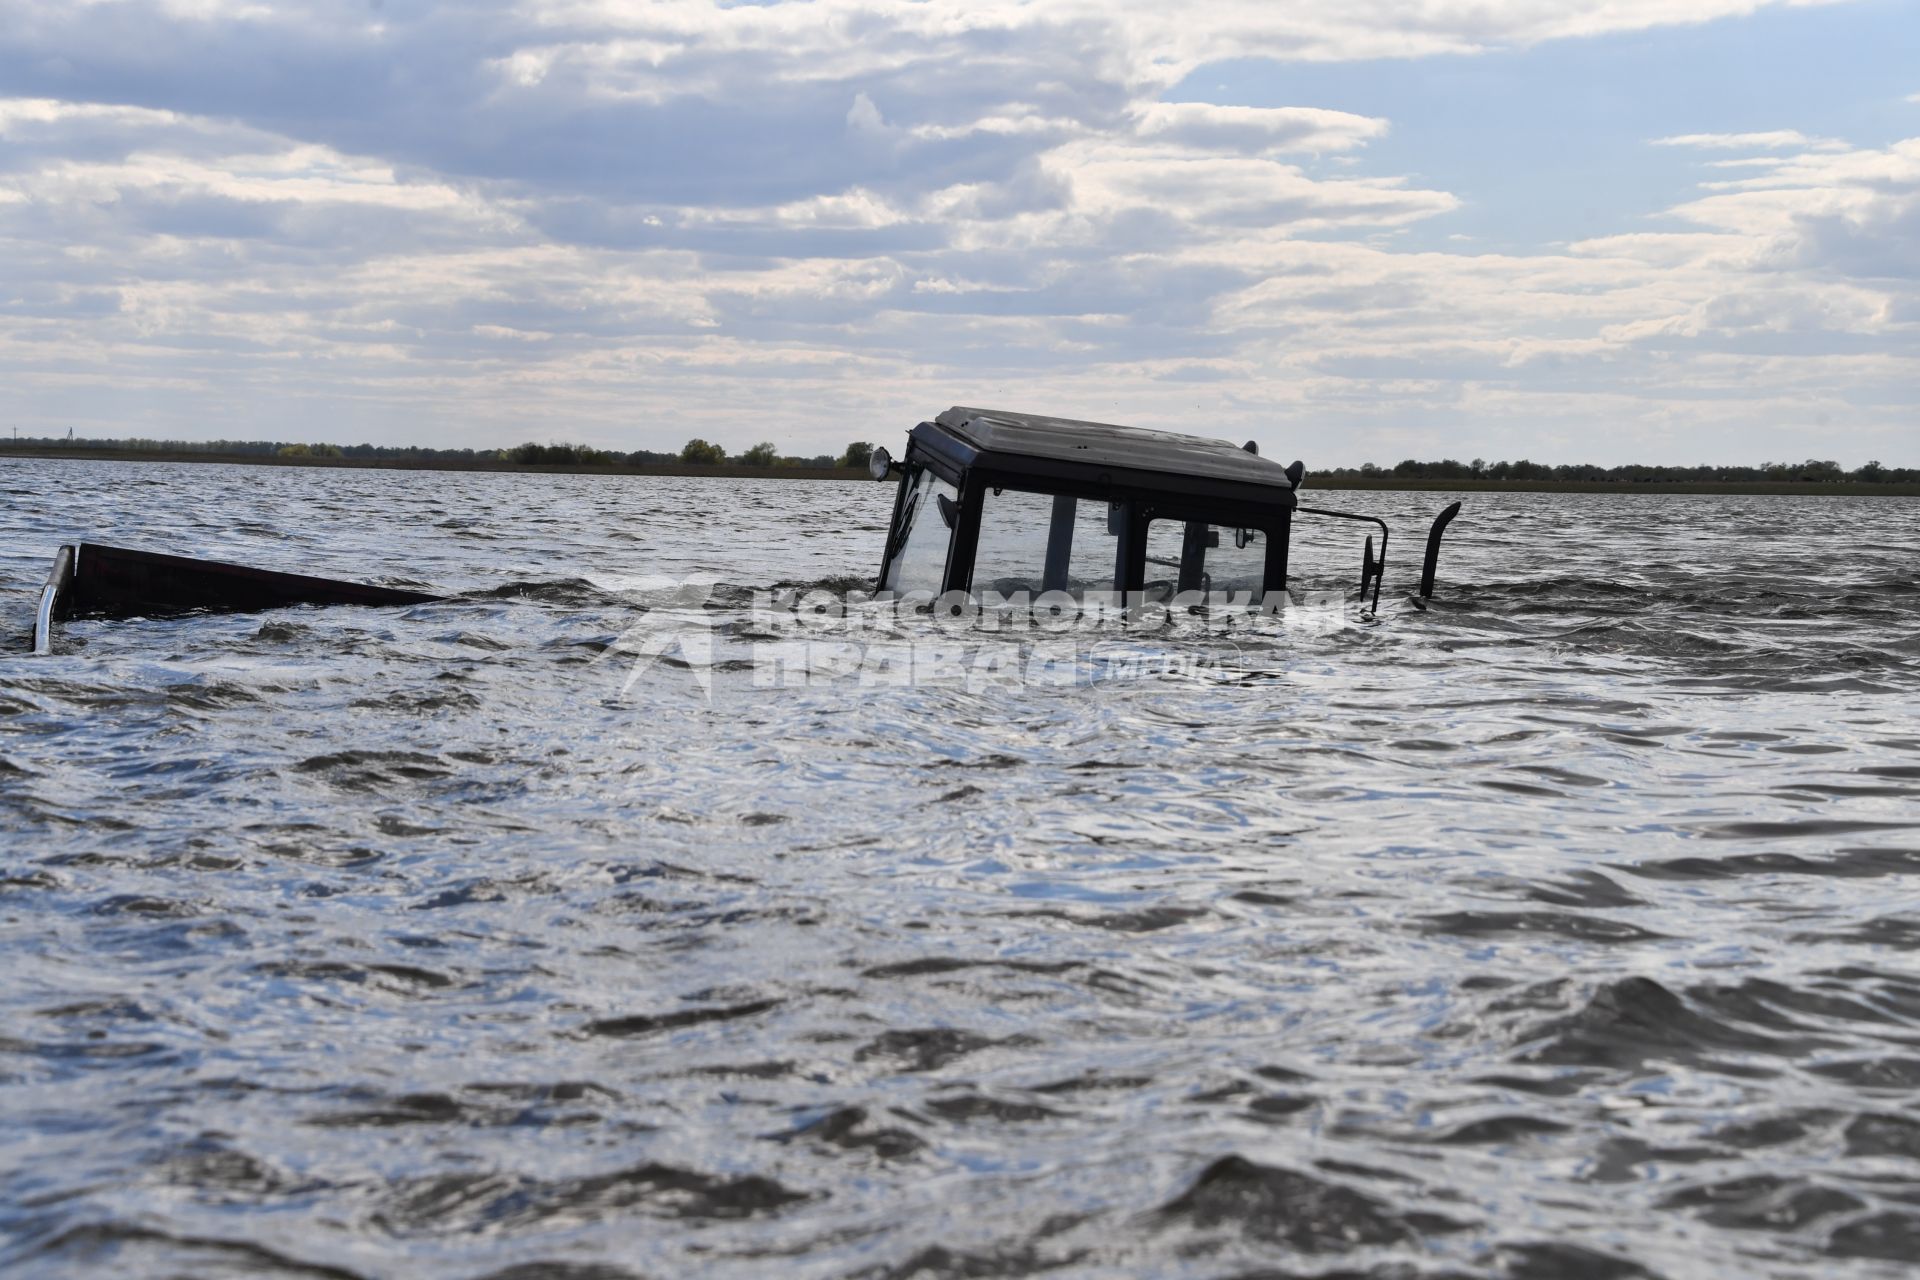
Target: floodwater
[{"x": 1570, "y": 928}]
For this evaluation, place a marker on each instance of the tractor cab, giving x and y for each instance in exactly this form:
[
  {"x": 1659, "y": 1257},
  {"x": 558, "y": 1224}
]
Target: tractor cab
[{"x": 1018, "y": 502}]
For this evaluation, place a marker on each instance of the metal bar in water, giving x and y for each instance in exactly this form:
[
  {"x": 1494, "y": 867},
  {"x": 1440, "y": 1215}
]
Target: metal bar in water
[
  {"x": 53, "y": 600},
  {"x": 1440, "y": 524},
  {"x": 1380, "y": 565},
  {"x": 1059, "y": 543}
]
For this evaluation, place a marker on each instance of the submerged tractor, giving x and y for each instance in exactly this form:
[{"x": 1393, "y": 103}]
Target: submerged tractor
[
  {"x": 986, "y": 500},
  {"x": 1019, "y": 502}
]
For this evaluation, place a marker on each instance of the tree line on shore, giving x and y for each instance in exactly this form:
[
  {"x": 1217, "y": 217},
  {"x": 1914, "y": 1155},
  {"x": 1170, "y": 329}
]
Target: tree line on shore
[
  {"x": 1812, "y": 471},
  {"x": 704, "y": 453},
  {"x": 696, "y": 452}
]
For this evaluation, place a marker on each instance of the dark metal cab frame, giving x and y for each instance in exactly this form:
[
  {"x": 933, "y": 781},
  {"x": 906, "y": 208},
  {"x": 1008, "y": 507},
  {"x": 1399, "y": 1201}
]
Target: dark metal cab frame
[{"x": 1141, "y": 475}]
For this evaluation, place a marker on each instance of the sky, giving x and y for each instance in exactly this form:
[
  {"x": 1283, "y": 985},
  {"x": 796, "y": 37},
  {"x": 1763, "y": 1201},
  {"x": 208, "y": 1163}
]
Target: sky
[{"x": 1667, "y": 231}]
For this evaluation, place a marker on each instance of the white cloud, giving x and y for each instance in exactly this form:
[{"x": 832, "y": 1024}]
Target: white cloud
[
  {"x": 1112, "y": 178},
  {"x": 1146, "y": 42},
  {"x": 1256, "y": 130},
  {"x": 1771, "y": 140},
  {"x": 864, "y": 117},
  {"x": 632, "y": 223},
  {"x": 510, "y": 334},
  {"x": 15, "y": 112}
]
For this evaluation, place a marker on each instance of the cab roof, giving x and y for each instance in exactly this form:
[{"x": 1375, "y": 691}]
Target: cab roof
[{"x": 1101, "y": 455}]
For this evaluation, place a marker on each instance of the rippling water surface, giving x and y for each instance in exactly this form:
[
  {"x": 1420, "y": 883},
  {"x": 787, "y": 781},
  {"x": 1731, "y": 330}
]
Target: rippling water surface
[{"x": 1567, "y": 929}]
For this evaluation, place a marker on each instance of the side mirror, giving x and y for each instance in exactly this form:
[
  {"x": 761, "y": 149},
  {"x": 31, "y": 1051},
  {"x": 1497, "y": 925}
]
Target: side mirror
[{"x": 879, "y": 464}]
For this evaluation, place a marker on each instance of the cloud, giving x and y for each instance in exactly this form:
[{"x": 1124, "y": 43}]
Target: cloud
[
  {"x": 17, "y": 115},
  {"x": 1849, "y": 213},
  {"x": 1115, "y": 179},
  {"x": 1146, "y": 44},
  {"x": 1256, "y": 130},
  {"x": 1771, "y": 140},
  {"x": 634, "y": 223},
  {"x": 694, "y": 102}
]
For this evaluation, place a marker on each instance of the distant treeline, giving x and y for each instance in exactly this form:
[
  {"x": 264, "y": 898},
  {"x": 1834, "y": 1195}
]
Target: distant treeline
[
  {"x": 702, "y": 453},
  {"x": 695, "y": 452},
  {"x": 1812, "y": 471}
]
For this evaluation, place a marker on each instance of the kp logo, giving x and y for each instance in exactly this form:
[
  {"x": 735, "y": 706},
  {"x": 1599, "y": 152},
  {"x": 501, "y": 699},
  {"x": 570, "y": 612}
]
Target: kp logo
[{"x": 675, "y": 632}]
